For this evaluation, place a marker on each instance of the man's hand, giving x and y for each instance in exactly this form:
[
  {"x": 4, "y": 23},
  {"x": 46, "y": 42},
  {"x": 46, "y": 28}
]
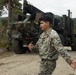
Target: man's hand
[
  {"x": 73, "y": 64},
  {"x": 30, "y": 46}
]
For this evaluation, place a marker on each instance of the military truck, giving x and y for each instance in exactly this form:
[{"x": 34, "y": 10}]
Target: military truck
[
  {"x": 27, "y": 28},
  {"x": 65, "y": 27}
]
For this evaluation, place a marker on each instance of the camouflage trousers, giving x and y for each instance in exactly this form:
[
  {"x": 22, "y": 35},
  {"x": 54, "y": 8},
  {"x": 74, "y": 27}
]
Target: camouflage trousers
[{"x": 47, "y": 67}]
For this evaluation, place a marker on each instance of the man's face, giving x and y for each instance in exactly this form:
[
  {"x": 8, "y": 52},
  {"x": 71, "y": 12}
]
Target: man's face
[{"x": 44, "y": 25}]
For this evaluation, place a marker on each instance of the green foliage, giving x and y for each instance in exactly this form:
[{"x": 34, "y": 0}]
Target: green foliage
[
  {"x": 2, "y": 35},
  {"x": 3, "y": 42},
  {"x": 4, "y": 23},
  {"x": 15, "y": 6},
  {"x": 16, "y": 9}
]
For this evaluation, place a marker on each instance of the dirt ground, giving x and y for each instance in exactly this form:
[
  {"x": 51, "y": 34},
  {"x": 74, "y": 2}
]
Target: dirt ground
[{"x": 28, "y": 64}]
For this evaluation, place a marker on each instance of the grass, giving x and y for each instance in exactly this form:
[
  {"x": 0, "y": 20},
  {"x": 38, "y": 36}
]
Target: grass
[
  {"x": 2, "y": 37},
  {"x": 3, "y": 41}
]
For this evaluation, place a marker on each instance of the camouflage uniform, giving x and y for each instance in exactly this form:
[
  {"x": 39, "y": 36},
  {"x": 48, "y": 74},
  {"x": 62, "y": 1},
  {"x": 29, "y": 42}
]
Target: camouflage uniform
[{"x": 50, "y": 46}]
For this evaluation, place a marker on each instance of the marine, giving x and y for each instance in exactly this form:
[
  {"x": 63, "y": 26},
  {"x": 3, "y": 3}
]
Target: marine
[{"x": 50, "y": 46}]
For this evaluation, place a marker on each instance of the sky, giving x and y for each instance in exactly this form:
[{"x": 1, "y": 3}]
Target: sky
[{"x": 58, "y": 7}]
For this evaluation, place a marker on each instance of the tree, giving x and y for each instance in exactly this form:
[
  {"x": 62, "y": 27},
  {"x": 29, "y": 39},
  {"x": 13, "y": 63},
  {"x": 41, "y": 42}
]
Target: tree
[{"x": 13, "y": 7}]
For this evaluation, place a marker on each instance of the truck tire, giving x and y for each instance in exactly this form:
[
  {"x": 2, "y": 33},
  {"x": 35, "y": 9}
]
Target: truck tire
[{"x": 18, "y": 46}]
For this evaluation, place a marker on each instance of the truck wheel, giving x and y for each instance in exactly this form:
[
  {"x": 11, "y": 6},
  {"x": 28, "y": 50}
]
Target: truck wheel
[{"x": 18, "y": 46}]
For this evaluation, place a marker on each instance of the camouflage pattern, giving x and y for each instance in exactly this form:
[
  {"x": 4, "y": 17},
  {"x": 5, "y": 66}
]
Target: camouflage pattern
[
  {"x": 50, "y": 46},
  {"x": 47, "y": 67}
]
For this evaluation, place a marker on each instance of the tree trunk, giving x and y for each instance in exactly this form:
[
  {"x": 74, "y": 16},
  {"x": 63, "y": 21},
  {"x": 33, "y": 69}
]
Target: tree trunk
[
  {"x": 9, "y": 11},
  {"x": 9, "y": 16}
]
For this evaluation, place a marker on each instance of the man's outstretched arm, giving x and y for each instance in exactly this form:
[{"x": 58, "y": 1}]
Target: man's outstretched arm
[{"x": 59, "y": 47}]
